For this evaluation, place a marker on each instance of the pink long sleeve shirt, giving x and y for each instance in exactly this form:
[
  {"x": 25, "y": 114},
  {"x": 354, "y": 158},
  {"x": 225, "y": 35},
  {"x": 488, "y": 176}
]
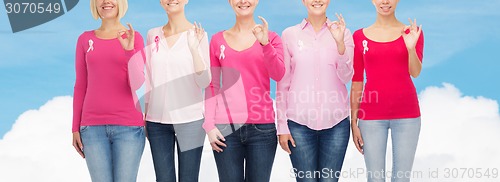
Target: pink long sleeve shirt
[
  {"x": 313, "y": 91},
  {"x": 103, "y": 88},
  {"x": 244, "y": 96}
]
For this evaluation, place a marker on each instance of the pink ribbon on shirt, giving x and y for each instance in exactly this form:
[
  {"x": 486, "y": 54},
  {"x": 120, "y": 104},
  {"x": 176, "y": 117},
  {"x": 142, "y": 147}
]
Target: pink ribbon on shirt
[
  {"x": 222, "y": 49},
  {"x": 91, "y": 45},
  {"x": 365, "y": 46},
  {"x": 157, "y": 41}
]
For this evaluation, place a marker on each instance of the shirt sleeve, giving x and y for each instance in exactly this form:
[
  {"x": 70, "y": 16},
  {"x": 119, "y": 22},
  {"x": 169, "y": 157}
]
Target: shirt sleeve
[
  {"x": 148, "y": 78},
  {"x": 273, "y": 57},
  {"x": 283, "y": 87},
  {"x": 203, "y": 79},
  {"x": 345, "y": 70},
  {"x": 359, "y": 65},
  {"x": 80, "y": 84},
  {"x": 136, "y": 64},
  {"x": 213, "y": 88}
]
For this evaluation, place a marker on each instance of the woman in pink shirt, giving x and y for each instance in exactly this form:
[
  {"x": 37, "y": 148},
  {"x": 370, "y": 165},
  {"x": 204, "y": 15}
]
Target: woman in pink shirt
[
  {"x": 390, "y": 53},
  {"x": 108, "y": 128},
  {"x": 312, "y": 100},
  {"x": 177, "y": 72},
  {"x": 239, "y": 115}
]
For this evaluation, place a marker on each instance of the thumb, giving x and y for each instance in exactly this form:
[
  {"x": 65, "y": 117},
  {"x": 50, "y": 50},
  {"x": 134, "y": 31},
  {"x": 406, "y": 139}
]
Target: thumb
[
  {"x": 221, "y": 136},
  {"x": 404, "y": 30},
  {"x": 293, "y": 142},
  {"x": 79, "y": 142},
  {"x": 120, "y": 38}
]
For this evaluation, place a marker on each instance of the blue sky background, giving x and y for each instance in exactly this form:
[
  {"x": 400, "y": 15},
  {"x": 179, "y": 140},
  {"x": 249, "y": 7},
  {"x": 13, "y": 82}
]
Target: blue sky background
[{"x": 461, "y": 40}]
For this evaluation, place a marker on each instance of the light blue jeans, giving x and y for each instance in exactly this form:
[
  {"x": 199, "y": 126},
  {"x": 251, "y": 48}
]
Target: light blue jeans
[
  {"x": 113, "y": 153},
  {"x": 404, "y": 136}
]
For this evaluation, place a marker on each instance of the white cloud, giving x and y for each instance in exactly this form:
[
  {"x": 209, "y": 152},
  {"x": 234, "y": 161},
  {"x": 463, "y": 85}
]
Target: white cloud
[{"x": 457, "y": 132}]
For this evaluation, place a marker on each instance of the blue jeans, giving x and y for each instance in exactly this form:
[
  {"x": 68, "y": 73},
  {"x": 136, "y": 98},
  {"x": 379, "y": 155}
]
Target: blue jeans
[
  {"x": 189, "y": 138},
  {"x": 249, "y": 154},
  {"x": 318, "y": 153},
  {"x": 113, "y": 153},
  {"x": 404, "y": 136}
]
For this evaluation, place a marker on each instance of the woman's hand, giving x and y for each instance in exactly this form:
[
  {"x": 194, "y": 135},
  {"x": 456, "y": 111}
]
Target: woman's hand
[
  {"x": 128, "y": 42},
  {"x": 195, "y": 37},
  {"x": 261, "y": 32},
  {"x": 77, "y": 143},
  {"x": 357, "y": 139},
  {"x": 338, "y": 31},
  {"x": 284, "y": 142},
  {"x": 216, "y": 140},
  {"x": 412, "y": 37}
]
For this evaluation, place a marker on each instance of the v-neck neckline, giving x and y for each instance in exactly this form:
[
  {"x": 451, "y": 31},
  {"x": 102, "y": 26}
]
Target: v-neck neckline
[{"x": 176, "y": 42}]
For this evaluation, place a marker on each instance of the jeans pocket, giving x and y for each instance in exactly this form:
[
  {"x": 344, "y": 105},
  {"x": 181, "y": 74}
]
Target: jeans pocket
[
  {"x": 266, "y": 128},
  {"x": 83, "y": 129}
]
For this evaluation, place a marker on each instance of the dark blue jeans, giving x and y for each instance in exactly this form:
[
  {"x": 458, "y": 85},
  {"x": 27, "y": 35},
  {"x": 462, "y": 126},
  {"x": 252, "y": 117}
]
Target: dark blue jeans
[
  {"x": 319, "y": 155},
  {"x": 249, "y": 154},
  {"x": 189, "y": 139}
]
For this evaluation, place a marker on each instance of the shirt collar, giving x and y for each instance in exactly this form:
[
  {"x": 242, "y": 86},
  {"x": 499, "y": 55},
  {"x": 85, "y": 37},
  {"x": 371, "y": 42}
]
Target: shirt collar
[{"x": 305, "y": 23}]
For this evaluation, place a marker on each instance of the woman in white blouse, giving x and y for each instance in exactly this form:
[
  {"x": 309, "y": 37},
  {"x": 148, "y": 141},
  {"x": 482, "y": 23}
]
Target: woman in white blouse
[{"x": 177, "y": 72}]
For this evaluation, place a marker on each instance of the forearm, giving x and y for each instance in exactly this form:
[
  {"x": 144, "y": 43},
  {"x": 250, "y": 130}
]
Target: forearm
[
  {"x": 199, "y": 65},
  {"x": 356, "y": 93},
  {"x": 415, "y": 65},
  {"x": 340, "y": 47}
]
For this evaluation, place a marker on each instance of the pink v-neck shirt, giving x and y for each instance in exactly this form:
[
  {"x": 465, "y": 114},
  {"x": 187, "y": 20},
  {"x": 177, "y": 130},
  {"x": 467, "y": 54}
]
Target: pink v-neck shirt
[
  {"x": 103, "y": 93},
  {"x": 240, "y": 87}
]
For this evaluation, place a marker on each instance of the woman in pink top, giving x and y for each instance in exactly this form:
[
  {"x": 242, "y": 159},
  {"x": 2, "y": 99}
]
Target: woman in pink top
[
  {"x": 177, "y": 72},
  {"x": 108, "y": 129},
  {"x": 390, "y": 53},
  {"x": 312, "y": 100},
  {"x": 243, "y": 58}
]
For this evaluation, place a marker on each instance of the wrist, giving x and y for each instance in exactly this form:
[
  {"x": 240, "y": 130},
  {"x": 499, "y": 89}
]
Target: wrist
[
  {"x": 193, "y": 50},
  {"x": 354, "y": 122},
  {"x": 340, "y": 43},
  {"x": 265, "y": 43}
]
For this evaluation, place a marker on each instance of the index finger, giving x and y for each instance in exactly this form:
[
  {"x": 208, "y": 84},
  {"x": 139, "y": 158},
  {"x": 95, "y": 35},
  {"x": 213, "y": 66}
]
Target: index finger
[
  {"x": 264, "y": 21},
  {"x": 219, "y": 143}
]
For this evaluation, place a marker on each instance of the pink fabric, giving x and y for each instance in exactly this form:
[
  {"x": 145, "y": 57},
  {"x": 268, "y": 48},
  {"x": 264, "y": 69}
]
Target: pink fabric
[
  {"x": 244, "y": 96},
  {"x": 313, "y": 91},
  {"x": 106, "y": 79},
  {"x": 389, "y": 92}
]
